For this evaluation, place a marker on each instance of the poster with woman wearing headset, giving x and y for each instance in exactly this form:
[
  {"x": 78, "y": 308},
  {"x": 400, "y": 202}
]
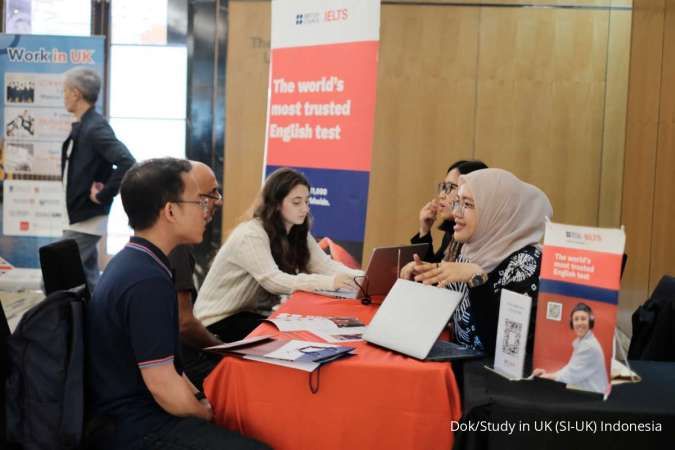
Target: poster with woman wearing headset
[{"x": 576, "y": 315}]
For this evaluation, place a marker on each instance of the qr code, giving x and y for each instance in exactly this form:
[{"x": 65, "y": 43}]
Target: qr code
[
  {"x": 511, "y": 338},
  {"x": 554, "y": 311}
]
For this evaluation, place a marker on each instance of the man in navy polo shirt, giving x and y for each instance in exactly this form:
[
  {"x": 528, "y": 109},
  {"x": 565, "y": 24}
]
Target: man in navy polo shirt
[{"x": 136, "y": 379}]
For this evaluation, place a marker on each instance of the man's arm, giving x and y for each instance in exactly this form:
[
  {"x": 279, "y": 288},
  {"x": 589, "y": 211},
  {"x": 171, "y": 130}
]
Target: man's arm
[
  {"x": 173, "y": 393},
  {"x": 116, "y": 153},
  {"x": 192, "y": 331},
  {"x": 152, "y": 325}
]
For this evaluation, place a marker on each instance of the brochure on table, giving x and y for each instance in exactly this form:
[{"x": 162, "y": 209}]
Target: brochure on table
[
  {"x": 297, "y": 354},
  {"x": 330, "y": 329},
  {"x": 576, "y": 313}
]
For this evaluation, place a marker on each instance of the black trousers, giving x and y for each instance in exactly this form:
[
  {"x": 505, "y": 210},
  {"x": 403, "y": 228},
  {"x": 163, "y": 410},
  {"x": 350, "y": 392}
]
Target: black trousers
[
  {"x": 196, "y": 434},
  {"x": 237, "y": 326}
]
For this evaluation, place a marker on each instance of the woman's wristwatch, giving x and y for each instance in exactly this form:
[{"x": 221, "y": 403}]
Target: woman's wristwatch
[{"x": 478, "y": 279}]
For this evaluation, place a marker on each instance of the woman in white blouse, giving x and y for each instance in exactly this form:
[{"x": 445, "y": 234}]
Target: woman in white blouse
[{"x": 271, "y": 254}]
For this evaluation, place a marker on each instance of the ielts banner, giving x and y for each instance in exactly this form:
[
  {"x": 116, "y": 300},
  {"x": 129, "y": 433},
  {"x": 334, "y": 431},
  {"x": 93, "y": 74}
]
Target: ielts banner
[
  {"x": 579, "y": 288},
  {"x": 321, "y": 107}
]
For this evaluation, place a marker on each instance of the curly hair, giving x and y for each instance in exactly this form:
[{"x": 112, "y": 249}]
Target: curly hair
[{"x": 290, "y": 250}]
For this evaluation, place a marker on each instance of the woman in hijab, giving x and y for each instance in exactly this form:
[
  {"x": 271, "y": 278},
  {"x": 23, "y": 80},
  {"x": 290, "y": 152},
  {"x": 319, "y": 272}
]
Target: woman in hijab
[{"x": 500, "y": 221}]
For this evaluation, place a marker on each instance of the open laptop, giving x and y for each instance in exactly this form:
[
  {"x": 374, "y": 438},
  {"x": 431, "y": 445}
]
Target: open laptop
[
  {"x": 382, "y": 272},
  {"x": 412, "y": 317}
]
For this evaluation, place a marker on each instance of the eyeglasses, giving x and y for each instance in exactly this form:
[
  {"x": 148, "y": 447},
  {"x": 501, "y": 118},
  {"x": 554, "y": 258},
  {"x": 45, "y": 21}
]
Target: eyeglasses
[
  {"x": 446, "y": 187},
  {"x": 215, "y": 195},
  {"x": 202, "y": 202},
  {"x": 458, "y": 206}
]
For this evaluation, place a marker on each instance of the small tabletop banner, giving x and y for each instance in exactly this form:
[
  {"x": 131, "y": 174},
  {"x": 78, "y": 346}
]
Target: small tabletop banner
[{"x": 576, "y": 311}]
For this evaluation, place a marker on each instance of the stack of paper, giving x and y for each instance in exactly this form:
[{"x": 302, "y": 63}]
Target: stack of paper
[{"x": 296, "y": 354}]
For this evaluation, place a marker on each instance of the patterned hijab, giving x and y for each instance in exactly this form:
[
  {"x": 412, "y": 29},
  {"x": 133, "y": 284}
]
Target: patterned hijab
[{"x": 511, "y": 215}]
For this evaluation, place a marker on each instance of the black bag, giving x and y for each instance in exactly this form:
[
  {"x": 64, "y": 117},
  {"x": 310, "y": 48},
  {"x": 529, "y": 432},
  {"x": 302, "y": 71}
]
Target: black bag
[
  {"x": 4, "y": 335},
  {"x": 654, "y": 325},
  {"x": 45, "y": 387}
]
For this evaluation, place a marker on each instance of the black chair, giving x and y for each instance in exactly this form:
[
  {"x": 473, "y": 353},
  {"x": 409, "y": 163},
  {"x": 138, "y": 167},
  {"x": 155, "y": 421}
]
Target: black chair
[
  {"x": 4, "y": 361},
  {"x": 62, "y": 267},
  {"x": 4, "y": 332},
  {"x": 654, "y": 325}
]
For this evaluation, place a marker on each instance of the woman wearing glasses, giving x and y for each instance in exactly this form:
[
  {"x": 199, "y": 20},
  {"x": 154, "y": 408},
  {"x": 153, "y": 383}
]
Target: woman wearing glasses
[
  {"x": 271, "y": 254},
  {"x": 441, "y": 208},
  {"x": 500, "y": 221}
]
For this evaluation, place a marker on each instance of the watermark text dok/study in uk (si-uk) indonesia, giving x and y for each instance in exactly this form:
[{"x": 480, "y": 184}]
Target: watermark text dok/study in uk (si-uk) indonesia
[{"x": 557, "y": 426}]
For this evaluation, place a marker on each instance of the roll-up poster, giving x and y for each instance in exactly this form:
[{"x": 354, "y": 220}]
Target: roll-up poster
[
  {"x": 321, "y": 107},
  {"x": 34, "y": 124}
]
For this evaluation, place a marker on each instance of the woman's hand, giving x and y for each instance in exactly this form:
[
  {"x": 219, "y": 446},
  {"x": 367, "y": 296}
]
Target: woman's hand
[
  {"x": 414, "y": 267},
  {"x": 344, "y": 281},
  {"x": 428, "y": 217},
  {"x": 407, "y": 272},
  {"x": 448, "y": 272}
]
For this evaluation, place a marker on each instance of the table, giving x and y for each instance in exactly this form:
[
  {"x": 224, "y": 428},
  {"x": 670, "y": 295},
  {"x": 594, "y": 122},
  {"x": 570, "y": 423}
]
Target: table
[
  {"x": 490, "y": 398},
  {"x": 374, "y": 400}
]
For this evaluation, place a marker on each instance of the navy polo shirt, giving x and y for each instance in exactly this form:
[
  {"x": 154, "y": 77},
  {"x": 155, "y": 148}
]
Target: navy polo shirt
[{"x": 132, "y": 323}]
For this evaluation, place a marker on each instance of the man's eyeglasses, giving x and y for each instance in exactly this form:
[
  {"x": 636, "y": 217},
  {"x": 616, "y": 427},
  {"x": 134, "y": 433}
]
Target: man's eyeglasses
[
  {"x": 459, "y": 206},
  {"x": 214, "y": 195},
  {"x": 446, "y": 187},
  {"x": 202, "y": 202}
]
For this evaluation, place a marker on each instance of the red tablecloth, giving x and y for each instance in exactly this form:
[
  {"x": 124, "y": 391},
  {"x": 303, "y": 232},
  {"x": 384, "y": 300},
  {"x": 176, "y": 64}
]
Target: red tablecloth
[{"x": 375, "y": 400}]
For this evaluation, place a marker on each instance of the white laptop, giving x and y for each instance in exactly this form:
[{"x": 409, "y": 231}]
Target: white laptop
[
  {"x": 412, "y": 317},
  {"x": 383, "y": 270}
]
